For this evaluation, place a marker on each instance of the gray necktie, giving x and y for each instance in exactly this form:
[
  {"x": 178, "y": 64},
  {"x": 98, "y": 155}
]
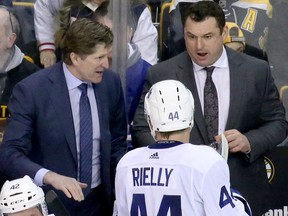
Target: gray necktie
[{"x": 210, "y": 105}]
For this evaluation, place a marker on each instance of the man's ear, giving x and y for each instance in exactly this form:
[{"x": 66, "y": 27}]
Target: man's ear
[
  {"x": 11, "y": 40},
  {"x": 225, "y": 32},
  {"x": 74, "y": 58}
]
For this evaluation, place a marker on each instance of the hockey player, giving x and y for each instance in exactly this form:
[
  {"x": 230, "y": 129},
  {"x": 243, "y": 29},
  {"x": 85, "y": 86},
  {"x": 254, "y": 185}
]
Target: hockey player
[
  {"x": 22, "y": 197},
  {"x": 171, "y": 176}
]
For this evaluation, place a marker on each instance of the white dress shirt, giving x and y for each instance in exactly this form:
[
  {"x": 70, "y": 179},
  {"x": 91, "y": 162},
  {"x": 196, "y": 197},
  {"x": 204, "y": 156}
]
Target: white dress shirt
[{"x": 221, "y": 79}]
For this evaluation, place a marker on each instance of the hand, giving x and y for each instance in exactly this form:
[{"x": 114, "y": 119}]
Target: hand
[
  {"x": 237, "y": 141},
  {"x": 70, "y": 186},
  {"x": 47, "y": 58}
]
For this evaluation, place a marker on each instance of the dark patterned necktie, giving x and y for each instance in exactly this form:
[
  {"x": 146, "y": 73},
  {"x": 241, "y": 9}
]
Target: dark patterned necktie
[
  {"x": 210, "y": 105},
  {"x": 86, "y": 138}
]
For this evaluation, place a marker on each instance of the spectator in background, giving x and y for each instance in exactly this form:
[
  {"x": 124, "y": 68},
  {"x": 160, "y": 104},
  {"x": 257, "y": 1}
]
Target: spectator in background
[
  {"x": 45, "y": 19},
  {"x": 53, "y": 16},
  {"x": 250, "y": 114},
  {"x": 277, "y": 42},
  {"x": 277, "y": 49},
  {"x": 26, "y": 41},
  {"x": 235, "y": 38},
  {"x": 253, "y": 18},
  {"x": 13, "y": 65},
  {"x": 145, "y": 34},
  {"x": 46, "y": 131},
  {"x": 21, "y": 197}
]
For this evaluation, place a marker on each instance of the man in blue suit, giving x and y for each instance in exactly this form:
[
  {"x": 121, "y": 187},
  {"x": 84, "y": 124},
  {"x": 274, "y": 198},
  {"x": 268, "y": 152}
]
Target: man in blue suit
[{"x": 43, "y": 136}]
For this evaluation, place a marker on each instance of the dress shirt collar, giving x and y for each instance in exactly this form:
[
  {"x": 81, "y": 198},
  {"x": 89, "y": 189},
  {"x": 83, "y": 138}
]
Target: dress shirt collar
[{"x": 71, "y": 80}]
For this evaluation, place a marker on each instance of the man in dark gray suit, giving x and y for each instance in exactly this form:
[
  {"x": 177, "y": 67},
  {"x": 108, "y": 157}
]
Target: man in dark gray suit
[{"x": 250, "y": 113}]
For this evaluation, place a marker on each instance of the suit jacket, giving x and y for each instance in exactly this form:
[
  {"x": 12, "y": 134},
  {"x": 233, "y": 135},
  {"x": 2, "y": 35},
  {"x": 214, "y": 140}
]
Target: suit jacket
[
  {"x": 255, "y": 110},
  {"x": 40, "y": 132}
]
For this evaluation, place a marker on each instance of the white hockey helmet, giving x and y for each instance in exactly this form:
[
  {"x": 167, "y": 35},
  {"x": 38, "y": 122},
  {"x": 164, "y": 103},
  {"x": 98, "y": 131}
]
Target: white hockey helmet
[
  {"x": 21, "y": 194},
  {"x": 169, "y": 106}
]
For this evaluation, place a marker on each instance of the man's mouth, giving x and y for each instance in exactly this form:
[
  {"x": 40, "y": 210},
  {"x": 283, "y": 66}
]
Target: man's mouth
[{"x": 201, "y": 54}]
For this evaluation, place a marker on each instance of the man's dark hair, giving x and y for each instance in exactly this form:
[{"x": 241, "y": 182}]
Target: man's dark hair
[
  {"x": 202, "y": 10},
  {"x": 82, "y": 37}
]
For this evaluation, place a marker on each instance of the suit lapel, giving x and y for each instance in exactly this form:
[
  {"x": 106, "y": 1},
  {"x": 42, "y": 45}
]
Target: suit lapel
[
  {"x": 237, "y": 88},
  {"x": 186, "y": 76},
  {"x": 60, "y": 98},
  {"x": 103, "y": 112},
  {"x": 99, "y": 102}
]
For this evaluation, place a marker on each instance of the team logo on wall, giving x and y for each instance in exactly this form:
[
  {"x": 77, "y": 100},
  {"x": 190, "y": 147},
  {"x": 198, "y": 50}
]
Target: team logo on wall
[{"x": 270, "y": 169}]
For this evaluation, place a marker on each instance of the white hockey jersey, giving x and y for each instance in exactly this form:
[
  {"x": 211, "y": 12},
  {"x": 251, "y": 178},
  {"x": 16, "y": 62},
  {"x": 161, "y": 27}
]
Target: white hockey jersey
[{"x": 174, "y": 179}]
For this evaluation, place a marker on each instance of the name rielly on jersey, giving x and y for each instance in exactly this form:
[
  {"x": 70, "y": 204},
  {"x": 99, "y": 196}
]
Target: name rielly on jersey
[{"x": 151, "y": 176}]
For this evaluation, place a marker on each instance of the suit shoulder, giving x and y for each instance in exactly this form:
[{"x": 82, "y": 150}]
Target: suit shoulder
[
  {"x": 110, "y": 77},
  {"x": 176, "y": 60},
  {"x": 39, "y": 77},
  {"x": 255, "y": 60},
  {"x": 110, "y": 74},
  {"x": 245, "y": 58}
]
